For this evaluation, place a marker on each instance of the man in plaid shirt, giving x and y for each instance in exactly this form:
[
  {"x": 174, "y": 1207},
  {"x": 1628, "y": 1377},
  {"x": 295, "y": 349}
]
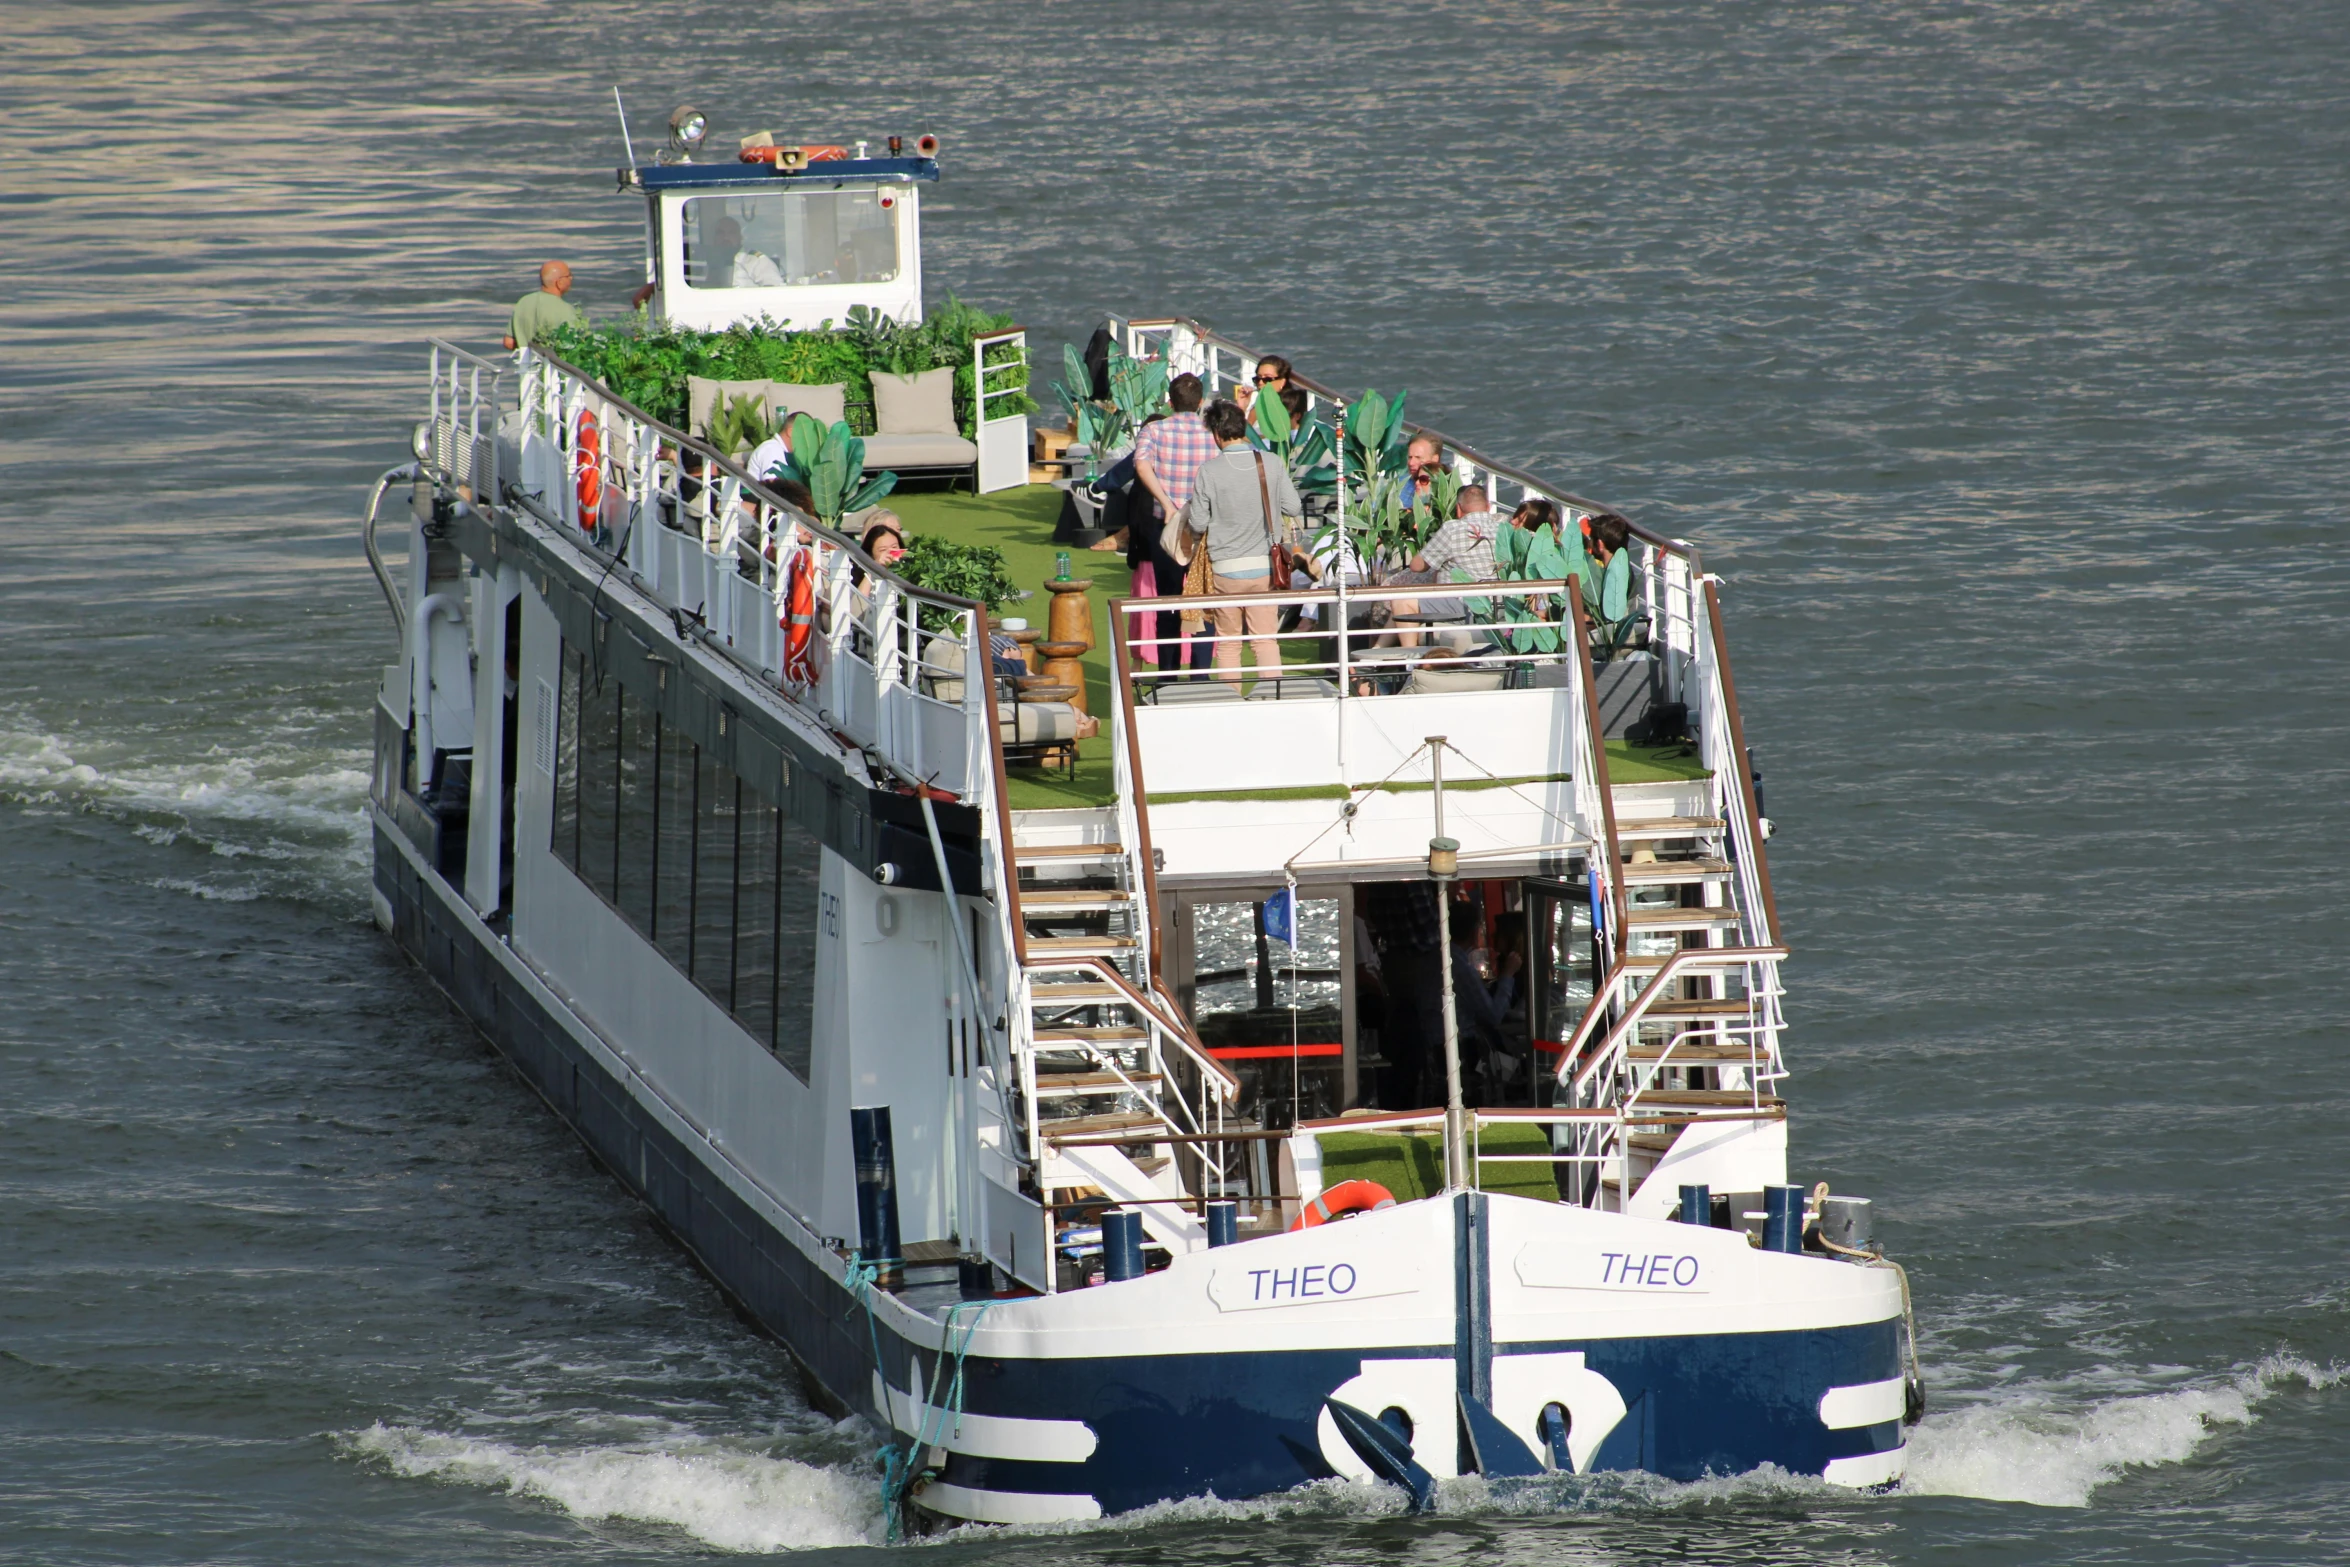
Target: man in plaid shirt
[
  {"x": 1465, "y": 545},
  {"x": 1168, "y": 454}
]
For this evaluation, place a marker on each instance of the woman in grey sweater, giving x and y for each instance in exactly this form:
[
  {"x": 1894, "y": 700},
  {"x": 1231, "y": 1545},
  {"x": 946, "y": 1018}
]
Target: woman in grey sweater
[{"x": 1238, "y": 502}]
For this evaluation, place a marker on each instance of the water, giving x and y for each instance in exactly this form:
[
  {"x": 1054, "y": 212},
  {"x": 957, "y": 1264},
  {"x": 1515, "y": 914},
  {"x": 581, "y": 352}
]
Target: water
[{"x": 1994, "y": 355}]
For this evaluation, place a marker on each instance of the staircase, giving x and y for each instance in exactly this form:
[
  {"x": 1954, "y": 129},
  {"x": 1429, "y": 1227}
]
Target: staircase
[
  {"x": 1114, "y": 1089},
  {"x": 1685, "y": 1031}
]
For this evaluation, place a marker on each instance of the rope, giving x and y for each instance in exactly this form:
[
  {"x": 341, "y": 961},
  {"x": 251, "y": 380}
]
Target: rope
[
  {"x": 1346, "y": 812},
  {"x": 899, "y": 1462},
  {"x": 1516, "y": 789}
]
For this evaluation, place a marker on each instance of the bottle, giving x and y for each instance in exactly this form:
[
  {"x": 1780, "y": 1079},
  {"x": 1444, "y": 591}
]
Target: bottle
[{"x": 1061, "y": 566}]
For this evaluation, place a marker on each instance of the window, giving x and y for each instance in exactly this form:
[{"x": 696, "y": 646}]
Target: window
[
  {"x": 791, "y": 238},
  {"x": 719, "y": 880}
]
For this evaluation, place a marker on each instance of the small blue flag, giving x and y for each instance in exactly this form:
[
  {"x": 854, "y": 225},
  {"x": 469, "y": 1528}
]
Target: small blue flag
[{"x": 1281, "y": 916}]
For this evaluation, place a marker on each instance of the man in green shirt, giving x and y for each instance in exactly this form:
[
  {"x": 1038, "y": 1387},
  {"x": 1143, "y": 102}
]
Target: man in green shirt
[{"x": 542, "y": 312}]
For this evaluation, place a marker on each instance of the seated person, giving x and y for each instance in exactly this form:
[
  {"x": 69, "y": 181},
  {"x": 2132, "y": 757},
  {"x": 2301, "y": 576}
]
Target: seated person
[
  {"x": 1606, "y": 577},
  {"x": 1463, "y": 546},
  {"x": 728, "y": 265}
]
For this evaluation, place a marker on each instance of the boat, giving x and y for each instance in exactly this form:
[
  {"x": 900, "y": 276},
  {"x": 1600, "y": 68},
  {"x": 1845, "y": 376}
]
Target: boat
[{"x": 1071, "y": 1138}]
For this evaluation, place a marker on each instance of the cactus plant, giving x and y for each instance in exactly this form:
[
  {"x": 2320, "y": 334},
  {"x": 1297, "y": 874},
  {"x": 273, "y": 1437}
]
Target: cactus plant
[{"x": 831, "y": 464}]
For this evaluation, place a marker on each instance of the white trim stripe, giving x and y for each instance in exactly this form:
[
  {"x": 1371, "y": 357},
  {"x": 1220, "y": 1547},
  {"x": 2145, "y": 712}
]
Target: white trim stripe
[{"x": 1864, "y": 1404}]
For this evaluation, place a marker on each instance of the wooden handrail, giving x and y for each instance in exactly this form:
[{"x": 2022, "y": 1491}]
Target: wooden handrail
[
  {"x": 1172, "y": 1024},
  {"x": 1123, "y": 678},
  {"x": 1003, "y": 807},
  {"x": 1762, "y": 860},
  {"x": 1607, "y": 793}
]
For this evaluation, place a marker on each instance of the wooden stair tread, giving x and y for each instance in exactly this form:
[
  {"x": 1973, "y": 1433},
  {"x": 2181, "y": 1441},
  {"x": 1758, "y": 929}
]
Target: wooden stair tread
[
  {"x": 1663, "y": 917},
  {"x": 1727, "y": 1097},
  {"x": 1029, "y": 853},
  {"x": 1036, "y": 898},
  {"x": 1674, "y": 870},
  {"x": 1083, "y": 993},
  {"x": 1047, "y": 1038},
  {"x": 1064, "y": 946},
  {"x": 1066, "y": 1127},
  {"x": 1668, "y": 826},
  {"x": 1091, "y": 1082},
  {"x": 1694, "y": 1055},
  {"x": 1732, "y": 1006}
]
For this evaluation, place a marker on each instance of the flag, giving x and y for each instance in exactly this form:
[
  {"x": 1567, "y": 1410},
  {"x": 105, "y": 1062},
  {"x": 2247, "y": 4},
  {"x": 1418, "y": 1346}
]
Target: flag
[{"x": 1280, "y": 916}]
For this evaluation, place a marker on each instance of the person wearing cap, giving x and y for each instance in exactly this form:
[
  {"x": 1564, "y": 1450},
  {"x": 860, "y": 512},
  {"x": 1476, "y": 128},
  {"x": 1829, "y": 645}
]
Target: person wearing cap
[{"x": 537, "y": 314}]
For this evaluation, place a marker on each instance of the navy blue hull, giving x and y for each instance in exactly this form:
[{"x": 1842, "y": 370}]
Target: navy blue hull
[{"x": 1168, "y": 1426}]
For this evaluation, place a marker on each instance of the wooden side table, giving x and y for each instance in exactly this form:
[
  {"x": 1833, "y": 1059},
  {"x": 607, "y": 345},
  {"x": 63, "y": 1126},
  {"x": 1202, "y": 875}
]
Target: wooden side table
[{"x": 1064, "y": 665}]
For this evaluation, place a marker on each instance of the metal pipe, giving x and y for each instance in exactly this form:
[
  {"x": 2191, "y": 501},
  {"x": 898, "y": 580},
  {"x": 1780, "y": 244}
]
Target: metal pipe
[
  {"x": 1443, "y": 865},
  {"x": 375, "y": 558}
]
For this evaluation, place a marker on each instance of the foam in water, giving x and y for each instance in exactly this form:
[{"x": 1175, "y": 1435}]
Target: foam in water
[
  {"x": 727, "y": 1495},
  {"x": 2039, "y": 1445},
  {"x": 285, "y": 810}
]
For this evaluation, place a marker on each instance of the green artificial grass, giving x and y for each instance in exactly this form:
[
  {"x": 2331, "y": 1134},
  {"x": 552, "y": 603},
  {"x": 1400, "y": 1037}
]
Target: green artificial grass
[
  {"x": 1630, "y": 764},
  {"x": 1337, "y": 792},
  {"x": 1411, "y": 1164},
  {"x": 1020, "y": 523}
]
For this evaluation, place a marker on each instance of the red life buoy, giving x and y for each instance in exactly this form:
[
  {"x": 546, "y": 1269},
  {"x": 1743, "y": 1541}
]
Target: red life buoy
[
  {"x": 812, "y": 154},
  {"x": 587, "y": 484},
  {"x": 799, "y": 622},
  {"x": 1357, "y": 1196}
]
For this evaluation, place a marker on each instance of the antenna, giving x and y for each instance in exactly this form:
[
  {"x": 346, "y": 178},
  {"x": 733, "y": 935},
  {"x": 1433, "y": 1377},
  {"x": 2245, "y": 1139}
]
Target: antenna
[{"x": 625, "y": 139}]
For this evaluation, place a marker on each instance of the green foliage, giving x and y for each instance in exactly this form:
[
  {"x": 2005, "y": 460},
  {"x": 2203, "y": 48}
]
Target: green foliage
[
  {"x": 1372, "y": 465},
  {"x": 1310, "y": 454},
  {"x": 649, "y": 366},
  {"x": 972, "y": 571},
  {"x": 831, "y": 463},
  {"x": 1138, "y": 389},
  {"x": 740, "y": 425},
  {"x": 1433, "y": 506},
  {"x": 1521, "y": 555}
]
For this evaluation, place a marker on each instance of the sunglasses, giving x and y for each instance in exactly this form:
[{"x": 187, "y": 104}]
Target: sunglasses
[{"x": 1266, "y": 380}]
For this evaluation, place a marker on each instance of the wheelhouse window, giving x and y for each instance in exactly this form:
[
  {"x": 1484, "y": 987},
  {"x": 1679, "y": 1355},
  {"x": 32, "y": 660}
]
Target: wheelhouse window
[
  {"x": 791, "y": 238},
  {"x": 720, "y": 880}
]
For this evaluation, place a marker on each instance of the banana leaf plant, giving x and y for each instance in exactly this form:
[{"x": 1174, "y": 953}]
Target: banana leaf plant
[
  {"x": 740, "y": 425},
  {"x": 1527, "y": 555},
  {"x": 1138, "y": 389},
  {"x": 1371, "y": 468},
  {"x": 1432, "y": 508},
  {"x": 1309, "y": 453},
  {"x": 831, "y": 463}
]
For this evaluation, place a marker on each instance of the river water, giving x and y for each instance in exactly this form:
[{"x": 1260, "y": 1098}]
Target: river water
[{"x": 1994, "y": 354}]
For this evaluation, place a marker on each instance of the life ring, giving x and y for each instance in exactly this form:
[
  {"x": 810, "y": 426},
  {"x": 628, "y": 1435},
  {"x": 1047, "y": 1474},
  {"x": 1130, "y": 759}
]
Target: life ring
[
  {"x": 810, "y": 154},
  {"x": 587, "y": 483},
  {"x": 1356, "y": 1196},
  {"x": 799, "y": 622}
]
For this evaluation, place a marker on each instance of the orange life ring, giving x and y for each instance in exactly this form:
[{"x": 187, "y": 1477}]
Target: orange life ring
[
  {"x": 587, "y": 483},
  {"x": 1356, "y": 1196},
  {"x": 813, "y": 154},
  {"x": 799, "y": 622}
]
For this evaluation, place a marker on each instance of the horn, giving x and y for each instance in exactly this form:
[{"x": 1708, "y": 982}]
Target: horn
[
  {"x": 926, "y": 146},
  {"x": 792, "y": 159}
]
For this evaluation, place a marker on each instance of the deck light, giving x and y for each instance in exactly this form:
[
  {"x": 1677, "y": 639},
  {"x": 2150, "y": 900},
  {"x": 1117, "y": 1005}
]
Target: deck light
[
  {"x": 688, "y": 128},
  {"x": 926, "y": 146}
]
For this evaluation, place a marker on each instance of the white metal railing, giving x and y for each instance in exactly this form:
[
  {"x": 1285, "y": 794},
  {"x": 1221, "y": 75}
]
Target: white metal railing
[
  {"x": 999, "y": 418},
  {"x": 899, "y": 670},
  {"x": 460, "y": 436}
]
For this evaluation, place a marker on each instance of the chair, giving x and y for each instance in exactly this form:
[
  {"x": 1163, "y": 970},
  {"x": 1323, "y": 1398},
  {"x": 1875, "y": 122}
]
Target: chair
[
  {"x": 914, "y": 424},
  {"x": 1043, "y": 733}
]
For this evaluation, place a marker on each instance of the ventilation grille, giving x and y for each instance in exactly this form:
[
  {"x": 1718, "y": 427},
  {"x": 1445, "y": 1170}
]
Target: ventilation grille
[{"x": 544, "y": 748}]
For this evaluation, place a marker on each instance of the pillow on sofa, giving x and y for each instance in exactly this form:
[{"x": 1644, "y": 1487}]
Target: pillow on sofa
[
  {"x": 827, "y": 404},
  {"x": 921, "y": 404}
]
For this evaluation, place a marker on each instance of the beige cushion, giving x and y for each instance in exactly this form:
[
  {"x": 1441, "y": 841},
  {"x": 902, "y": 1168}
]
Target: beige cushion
[
  {"x": 919, "y": 451},
  {"x": 1427, "y": 680},
  {"x": 1031, "y": 722},
  {"x": 920, "y": 404},
  {"x": 828, "y": 402}
]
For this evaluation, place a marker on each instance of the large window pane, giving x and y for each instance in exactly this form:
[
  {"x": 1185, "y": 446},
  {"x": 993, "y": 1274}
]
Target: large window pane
[
  {"x": 599, "y": 778},
  {"x": 674, "y": 878},
  {"x": 798, "y": 238},
  {"x": 757, "y": 875},
  {"x": 565, "y": 833},
  {"x": 639, "y": 786},
  {"x": 713, "y": 964},
  {"x": 801, "y": 863}
]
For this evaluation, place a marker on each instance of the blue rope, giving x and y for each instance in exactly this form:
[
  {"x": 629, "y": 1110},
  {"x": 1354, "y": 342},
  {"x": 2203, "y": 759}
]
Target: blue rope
[{"x": 895, "y": 1459}]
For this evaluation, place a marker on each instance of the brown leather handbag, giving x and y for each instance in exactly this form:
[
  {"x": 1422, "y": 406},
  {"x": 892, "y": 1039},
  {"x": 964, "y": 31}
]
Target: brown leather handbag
[{"x": 1278, "y": 555}]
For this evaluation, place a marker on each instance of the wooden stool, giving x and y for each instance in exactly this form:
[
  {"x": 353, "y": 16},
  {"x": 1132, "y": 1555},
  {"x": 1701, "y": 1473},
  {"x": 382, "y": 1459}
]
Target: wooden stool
[
  {"x": 1071, "y": 617},
  {"x": 1064, "y": 665}
]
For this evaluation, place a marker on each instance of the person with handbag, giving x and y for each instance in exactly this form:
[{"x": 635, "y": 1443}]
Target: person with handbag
[{"x": 1238, "y": 503}]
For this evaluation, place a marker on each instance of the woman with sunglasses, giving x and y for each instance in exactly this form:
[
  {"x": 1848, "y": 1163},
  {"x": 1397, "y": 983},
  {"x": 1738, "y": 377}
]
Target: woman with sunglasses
[{"x": 1272, "y": 374}]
